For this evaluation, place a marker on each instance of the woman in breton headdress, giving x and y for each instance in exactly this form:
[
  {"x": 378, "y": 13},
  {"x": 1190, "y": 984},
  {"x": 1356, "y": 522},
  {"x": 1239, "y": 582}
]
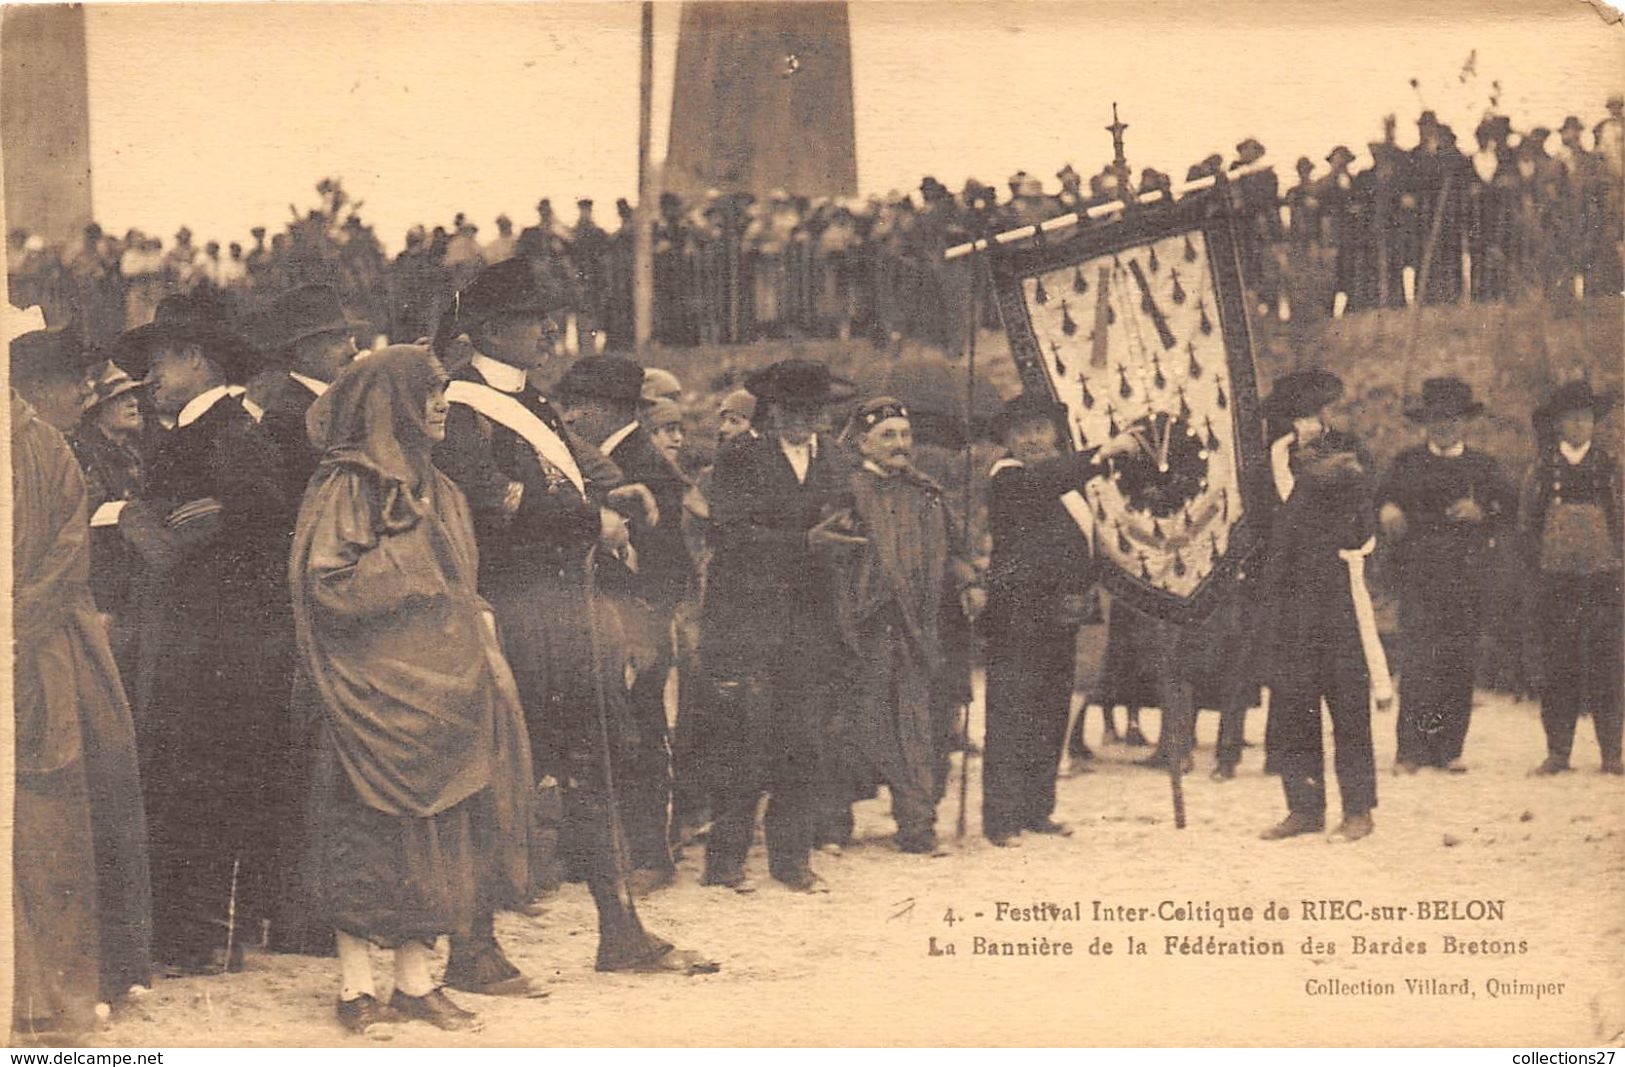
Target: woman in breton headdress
[{"x": 423, "y": 765}]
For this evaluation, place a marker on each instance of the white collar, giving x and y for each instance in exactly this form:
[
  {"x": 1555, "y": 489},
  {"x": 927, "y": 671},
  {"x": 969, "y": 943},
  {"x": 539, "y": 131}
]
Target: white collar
[
  {"x": 497, "y": 374},
  {"x": 1455, "y": 451},
  {"x": 315, "y": 385},
  {"x": 613, "y": 441},
  {"x": 199, "y": 405},
  {"x": 1005, "y": 464},
  {"x": 1572, "y": 454}
]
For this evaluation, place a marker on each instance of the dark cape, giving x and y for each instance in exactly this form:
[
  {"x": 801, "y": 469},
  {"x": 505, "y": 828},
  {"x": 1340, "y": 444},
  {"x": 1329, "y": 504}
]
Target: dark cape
[{"x": 81, "y": 904}]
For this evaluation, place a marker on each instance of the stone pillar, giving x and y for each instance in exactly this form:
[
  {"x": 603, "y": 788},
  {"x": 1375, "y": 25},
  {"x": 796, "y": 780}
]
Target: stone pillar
[
  {"x": 762, "y": 100},
  {"x": 45, "y": 120}
]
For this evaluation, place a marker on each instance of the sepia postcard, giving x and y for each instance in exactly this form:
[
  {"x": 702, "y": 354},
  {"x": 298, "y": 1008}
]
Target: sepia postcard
[{"x": 1287, "y": 714}]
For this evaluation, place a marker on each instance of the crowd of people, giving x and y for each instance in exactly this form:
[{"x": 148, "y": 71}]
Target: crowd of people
[
  {"x": 1515, "y": 213},
  {"x": 321, "y": 648}
]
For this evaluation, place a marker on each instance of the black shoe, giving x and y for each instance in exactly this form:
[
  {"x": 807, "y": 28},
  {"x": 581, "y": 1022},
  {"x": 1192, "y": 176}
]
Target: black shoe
[
  {"x": 917, "y": 844},
  {"x": 802, "y": 881},
  {"x": 487, "y": 972},
  {"x": 1549, "y": 766},
  {"x": 1294, "y": 825},
  {"x": 1049, "y": 827},
  {"x": 434, "y": 1008},
  {"x": 735, "y": 879},
  {"x": 365, "y": 1016}
]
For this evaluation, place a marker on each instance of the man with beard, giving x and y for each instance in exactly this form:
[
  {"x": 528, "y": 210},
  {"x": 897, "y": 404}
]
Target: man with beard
[
  {"x": 211, "y": 687},
  {"x": 540, "y": 498},
  {"x": 769, "y": 641},
  {"x": 598, "y": 400},
  {"x": 889, "y": 598}
]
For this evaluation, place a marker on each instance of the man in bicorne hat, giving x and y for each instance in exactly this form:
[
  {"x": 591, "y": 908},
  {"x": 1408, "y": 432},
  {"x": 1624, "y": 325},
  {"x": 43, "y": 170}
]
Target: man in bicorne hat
[
  {"x": 1320, "y": 640},
  {"x": 1442, "y": 506},
  {"x": 212, "y": 527},
  {"x": 540, "y": 498},
  {"x": 769, "y": 642},
  {"x": 1574, "y": 533}
]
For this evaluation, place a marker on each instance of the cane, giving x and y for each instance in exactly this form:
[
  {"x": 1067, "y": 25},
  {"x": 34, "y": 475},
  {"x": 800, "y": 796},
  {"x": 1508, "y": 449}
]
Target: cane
[{"x": 623, "y": 884}]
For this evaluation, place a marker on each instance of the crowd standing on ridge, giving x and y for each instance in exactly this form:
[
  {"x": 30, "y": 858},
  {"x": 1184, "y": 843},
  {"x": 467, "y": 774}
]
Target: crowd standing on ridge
[
  {"x": 1510, "y": 214},
  {"x": 324, "y": 645}
]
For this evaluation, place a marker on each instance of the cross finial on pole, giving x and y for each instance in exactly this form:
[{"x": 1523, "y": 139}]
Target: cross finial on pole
[{"x": 1119, "y": 161}]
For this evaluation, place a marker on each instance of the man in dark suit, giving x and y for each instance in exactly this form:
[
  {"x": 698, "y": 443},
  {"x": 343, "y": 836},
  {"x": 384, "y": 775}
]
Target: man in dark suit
[
  {"x": 1318, "y": 644},
  {"x": 1039, "y": 576},
  {"x": 598, "y": 400},
  {"x": 211, "y": 689},
  {"x": 305, "y": 334},
  {"x": 769, "y": 640},
  {"x": 1442, "y": 505},
  {"x": 541, "y": 500}
]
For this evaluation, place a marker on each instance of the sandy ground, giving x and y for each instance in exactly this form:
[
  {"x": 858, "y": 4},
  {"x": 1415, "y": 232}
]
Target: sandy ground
[{"x": 854, "y": 966}]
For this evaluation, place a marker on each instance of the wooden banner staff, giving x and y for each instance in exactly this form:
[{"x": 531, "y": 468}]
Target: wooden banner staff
[{"x": 977, "y": 275}]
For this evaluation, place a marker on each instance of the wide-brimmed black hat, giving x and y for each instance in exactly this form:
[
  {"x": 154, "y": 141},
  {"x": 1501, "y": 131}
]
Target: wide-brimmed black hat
[
  {"x": 1302, "y": 393},
  {"x": 1340, "y": 154},
  {"x": 1024, "y": 408},
  {"x": 506, "y": 288},
  {"x": 798, "y": 383},
  {"x": 1444, "y": 398},
  {"x": 47, "y": 356},
  {"x": 297, "y": 314},
  {"x": 612, "y": 378},
  {"x": 1575, "y": 396},
  {"x": 202, "y": 318}
]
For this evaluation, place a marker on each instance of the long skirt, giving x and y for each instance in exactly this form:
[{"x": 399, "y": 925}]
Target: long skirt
[{"x": 397, "y": 878}]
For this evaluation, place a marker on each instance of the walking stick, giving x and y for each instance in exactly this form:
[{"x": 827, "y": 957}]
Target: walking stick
[
  {"x": 970, "y": 471},
  {"x": 623, "y": 878}
]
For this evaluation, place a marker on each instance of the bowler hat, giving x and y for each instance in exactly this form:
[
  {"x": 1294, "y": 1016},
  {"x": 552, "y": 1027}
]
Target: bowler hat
[
  {"x": 1572, "y": 123},
  {"x": 297, "y": 314},
  {"x": 612, "y": 378},
  {"x": 1575, "y": 396},
  {"x": 202, "y": 318},
  {"x": 1024, "y": 408},
  {"x": 108, "y": 381},
  {"x": 1444, "y": 398},
  {"x": 47, "y": 356},
  {"x": 1302, "y": 393},
  {"x": 797, "y": 383}
]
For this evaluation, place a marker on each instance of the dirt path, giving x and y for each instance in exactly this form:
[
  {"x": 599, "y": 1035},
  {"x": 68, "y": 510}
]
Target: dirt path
[{"x": 853, "y": 966}]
